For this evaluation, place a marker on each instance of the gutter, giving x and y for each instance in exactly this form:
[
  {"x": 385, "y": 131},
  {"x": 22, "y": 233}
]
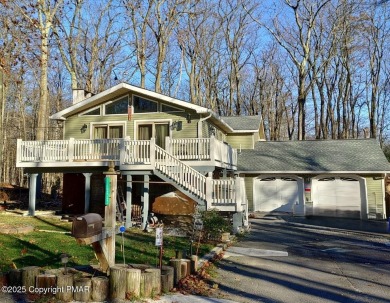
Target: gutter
[{"x": 200, "y": 124}]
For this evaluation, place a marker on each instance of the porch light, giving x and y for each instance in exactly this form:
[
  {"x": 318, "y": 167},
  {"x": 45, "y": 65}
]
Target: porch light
[
  {"x": 84, "y": 128},
  {"x": 211, "y": 130},
  {"x": 178, "y": 125},
  {"x": 188, "y": 118}
]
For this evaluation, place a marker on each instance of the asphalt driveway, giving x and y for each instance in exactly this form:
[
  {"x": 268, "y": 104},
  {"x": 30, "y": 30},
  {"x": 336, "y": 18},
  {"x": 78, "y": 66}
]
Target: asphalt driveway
[{"x": 287, "y": 259}]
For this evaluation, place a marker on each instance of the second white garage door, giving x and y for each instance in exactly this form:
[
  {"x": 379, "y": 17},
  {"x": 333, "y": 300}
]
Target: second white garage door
[
  {"x": 276, "y": 193},
  {"x": 336, "y": 196}
]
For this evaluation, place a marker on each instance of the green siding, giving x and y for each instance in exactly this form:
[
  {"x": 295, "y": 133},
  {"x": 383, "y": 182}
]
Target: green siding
[
  {"x": 245, "y": 141},
  {"x": 375, "y": 197},
  {"x": 73, "y": 124},
  {"x": 249, "y": 191}
]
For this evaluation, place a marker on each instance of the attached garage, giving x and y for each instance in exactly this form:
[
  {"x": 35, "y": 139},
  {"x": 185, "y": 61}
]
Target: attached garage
[
  {"x": 339, "y": 196},
  {"x": 342, "y": 178},
  {"x": 277, "y": 193}
]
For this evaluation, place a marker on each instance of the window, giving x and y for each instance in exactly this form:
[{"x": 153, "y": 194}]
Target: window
[
  {"x": 117, "y": 107},
  {"x": 288, "y": 179},
  {"x": 327, "y": 179},
  {"x": 105, "y": 131},
  {"x": 347, "y": 179},
  {"x": 141, "y": 105},
  {"x": 268, "y": 179},
  {"x": 158, "y": 130},
  {"x": 92, "y": 112}
]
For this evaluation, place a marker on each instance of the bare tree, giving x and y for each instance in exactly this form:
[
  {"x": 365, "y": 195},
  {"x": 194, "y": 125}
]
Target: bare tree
[
  {"x": 239, "y": 42},
  {"x": 297, "y": 42},
  {"x": 164, "y": 20},
  {"x": 45, "y": 12},
  {"x": 139, "y": 13}
]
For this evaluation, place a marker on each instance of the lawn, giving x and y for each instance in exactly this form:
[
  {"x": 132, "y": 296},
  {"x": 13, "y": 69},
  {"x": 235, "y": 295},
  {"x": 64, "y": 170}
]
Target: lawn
[{"x": 51, "y": 237}]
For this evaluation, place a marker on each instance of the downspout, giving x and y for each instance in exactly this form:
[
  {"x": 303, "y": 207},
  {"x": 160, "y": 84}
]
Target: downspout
[{"x": 200, "y": 135}]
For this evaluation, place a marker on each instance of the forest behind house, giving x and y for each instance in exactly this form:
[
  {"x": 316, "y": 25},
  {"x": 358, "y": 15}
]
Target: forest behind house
[{"x": 311, "y": 69}]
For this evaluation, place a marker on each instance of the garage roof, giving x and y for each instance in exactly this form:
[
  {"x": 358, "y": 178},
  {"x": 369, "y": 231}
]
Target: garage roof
[{"x": 314, "y": 156}]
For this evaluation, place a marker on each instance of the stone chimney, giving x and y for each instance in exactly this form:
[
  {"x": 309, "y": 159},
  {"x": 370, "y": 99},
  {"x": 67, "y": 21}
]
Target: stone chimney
[{"x": 80, "y": 95}]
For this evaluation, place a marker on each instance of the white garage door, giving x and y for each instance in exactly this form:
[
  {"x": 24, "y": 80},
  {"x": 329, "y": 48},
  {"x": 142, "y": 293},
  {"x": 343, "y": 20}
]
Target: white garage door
[
  {"x": 336, "y": 197},
  {"x": 275, "y": 194}
]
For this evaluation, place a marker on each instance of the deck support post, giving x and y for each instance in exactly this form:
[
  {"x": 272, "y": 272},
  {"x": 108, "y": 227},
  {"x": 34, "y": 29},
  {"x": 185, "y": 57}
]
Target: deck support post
[
  {"x": 32, "y": 194},
  {"x": 108, "y": 244},
  {"x": 209, "y": 191},
  {"x": 129, "y": 189},
  {"x": 145, "y": 201},
  {"x": 87, "y": 192}
]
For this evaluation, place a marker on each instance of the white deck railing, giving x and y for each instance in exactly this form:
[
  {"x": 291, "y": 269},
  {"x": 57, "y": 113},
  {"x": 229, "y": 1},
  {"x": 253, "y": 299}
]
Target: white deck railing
[
  {"x": 96, "y": 149},
  {"x": 224, "y": 191},
  {"x": 229, "y": 192},
  {"x": 68, "y": 150},
  {"x": 202, "y": 149},
  {"x": 43, "y": 151},
  {"x": 135, "y": 152},
  {"x": 189, "y": 149},
  {"x": 128, "y": 152}
]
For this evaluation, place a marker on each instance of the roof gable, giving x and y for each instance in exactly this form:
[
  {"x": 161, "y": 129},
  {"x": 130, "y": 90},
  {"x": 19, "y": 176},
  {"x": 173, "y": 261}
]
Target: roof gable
[{"x": 119, "y": 90}]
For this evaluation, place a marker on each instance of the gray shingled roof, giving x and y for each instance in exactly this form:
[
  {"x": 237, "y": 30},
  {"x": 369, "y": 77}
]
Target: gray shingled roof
[
  {"x": 242, "y": 123},
  {"x": 314, "y": 156}
]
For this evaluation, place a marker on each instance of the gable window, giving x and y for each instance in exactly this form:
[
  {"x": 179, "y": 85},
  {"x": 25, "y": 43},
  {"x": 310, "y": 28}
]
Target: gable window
[
  {"x": 117, "y": 107},
  {"x": 92, "y": 112},
  {"x": 141, "y": 105},
  {"x": 167, "y": 109}
]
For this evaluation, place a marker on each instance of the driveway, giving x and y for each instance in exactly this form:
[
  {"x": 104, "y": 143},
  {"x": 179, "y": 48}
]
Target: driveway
[{"x": 287, "y": 259}]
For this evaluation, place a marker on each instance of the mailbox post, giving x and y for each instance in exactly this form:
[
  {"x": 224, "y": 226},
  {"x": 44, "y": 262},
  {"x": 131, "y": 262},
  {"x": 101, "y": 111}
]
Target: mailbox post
[{"x": 88, "y": 229}]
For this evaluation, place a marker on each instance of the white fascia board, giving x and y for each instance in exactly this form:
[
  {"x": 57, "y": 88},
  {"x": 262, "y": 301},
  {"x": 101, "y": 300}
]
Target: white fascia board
[
  {"x": 95, "y": 100},
  {"x": 245, "y": 131}
]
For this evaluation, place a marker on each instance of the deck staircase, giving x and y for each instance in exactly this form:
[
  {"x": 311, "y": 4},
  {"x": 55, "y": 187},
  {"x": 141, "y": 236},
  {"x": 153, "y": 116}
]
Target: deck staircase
[{"x": 183, "y": 177}]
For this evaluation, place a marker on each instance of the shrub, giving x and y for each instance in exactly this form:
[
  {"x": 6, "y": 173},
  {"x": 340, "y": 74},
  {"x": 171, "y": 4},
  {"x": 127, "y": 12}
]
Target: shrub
[{"x": 214, "y": 224}]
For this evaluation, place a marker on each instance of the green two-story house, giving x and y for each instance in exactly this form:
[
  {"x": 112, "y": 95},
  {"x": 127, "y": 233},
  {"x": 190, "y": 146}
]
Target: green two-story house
[{"x": 159, "y": 144}]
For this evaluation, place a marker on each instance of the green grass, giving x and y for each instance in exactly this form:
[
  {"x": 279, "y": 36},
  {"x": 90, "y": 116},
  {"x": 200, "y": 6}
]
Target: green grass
[{"x": 42, "y": 248}]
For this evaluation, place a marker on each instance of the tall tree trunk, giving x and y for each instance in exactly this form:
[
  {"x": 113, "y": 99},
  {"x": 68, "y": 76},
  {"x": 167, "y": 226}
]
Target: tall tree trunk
[{"x": 43, "y": 98}]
